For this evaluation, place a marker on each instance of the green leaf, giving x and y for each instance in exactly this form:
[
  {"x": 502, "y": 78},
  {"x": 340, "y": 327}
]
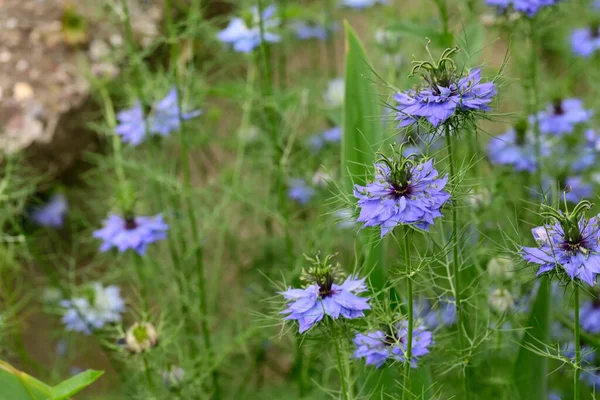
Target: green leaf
[
  {"x": 531, "y": 369},
  {"x": 17, "y": 385},
  {"x": 74, "y": 384},
  {"x": 361, "y": 139}
]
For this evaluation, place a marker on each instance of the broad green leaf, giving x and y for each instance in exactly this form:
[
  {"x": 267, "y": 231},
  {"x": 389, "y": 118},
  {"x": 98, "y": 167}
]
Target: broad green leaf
[
  {"x": 361, "y": 139},
  {"x": 531, "y": 369},
  {"x": 74, "y": 384},
  {"x": 17, "y": 385}
]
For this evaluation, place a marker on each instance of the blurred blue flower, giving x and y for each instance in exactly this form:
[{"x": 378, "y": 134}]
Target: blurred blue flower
[
  {"x": 132, "y": 124},
  {"x": 590, "y": 316},
  {"x": 332, "y": 135},
  {"x": 99, "y": 306},
  {"x": 246, "y": 38},
  {"x": 443, "y": 97},
  {"x": 363, "y": 3},
  {"x": 51, "y": 214},
  {"x": 578, "y": 255},
  {"x": 591, "y": 378},
  {"x": 377, "y": 347},
  {"x": 306, "y": 30},
  {"x": 529, "y": 7},
  {"x": 134, "y": 233},
  {"x": 300, "y": 191},
  {"x": 585, "y": 41},
  {"x": 576, "y": 189},
  {"x": 516, "y": 150},
  {"x": 165, "y": 116},
  {"x": 402, "y": 193},
  {"x": 163, "y": 119},
  {"x": 309, "y": 305},
  {"x": 562, "y": 116},
  {"x": 444, "y": 314}
]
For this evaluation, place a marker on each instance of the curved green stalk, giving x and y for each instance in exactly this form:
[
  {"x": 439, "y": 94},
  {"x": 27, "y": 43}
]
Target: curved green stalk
[{"x": 338, "y": 356}]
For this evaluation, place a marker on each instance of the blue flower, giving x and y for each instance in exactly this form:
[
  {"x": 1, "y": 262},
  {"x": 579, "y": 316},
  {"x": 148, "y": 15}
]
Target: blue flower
[
  {"x": 529, "y": 7},
  {"x": 134, "y": 233},
  {"x": 590, "y": 317},
  {"x": 132, "y": 125},
  {"x": 402, "y": 193},
  {"x": 163, "y": 119},
  {"x": 585, "y": 41},
  {"x": 100, "y": 306},
  {"x": 306, "y": 30},
  {"x": 52, "y": 213},
  {"x": 443, "y": 315},
  {"x": 562, "y": 116},
  {"x": 443, "y": 98},
  {"x": 309, "y": 305},
  {"x": 363, "y": 3},
  {"x": 553, "y": 396},
  {"x": 591, "y": 378},
  {"x": 576, "y": 189},
  {"x": 576, "y": 253},
  {"x": 300, "y": 191},
  {"x": 516, "y": 150},
  {"x": 377, "y": 347},
  {"x": 246, "y": 38},
  {"x": 165, "y": 116},
  {"x": 332, "y": 135}
]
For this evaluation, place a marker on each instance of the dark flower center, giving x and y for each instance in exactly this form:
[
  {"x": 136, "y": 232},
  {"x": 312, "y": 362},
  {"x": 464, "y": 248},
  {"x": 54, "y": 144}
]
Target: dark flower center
[
  {"x": 595, "y": 30},
  {"x": 130, "y": 223},
  {"x": 520, "y": 130},
  {"x": 400, "y": 190},
  {"x": 558, "y": 108},
  {"x": 325, "y": 286}
]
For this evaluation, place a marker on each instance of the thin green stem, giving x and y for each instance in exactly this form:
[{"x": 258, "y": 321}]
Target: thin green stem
[
  {"x": 534, "y": 101},
  {"x": 338, "y": 356},
  {"x": 300, "y": 368},
  {"x": 577, "y": 380},
  {"x": 148, "y": 372},
  {"x": 282, "y": 47},
  {"x": 443, "y": 9},
  {"x": 139, "y": 269},
  {"x": 331, "y": 48},
  {"x": 409, "y": 289},
  {"x": 455, "y": 260}
]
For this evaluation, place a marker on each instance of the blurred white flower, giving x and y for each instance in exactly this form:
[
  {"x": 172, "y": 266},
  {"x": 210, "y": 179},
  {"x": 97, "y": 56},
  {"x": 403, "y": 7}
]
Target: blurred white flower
[
  {"x": 98, "y": 307},
  {"x": 500, "y": 268},
  {"x": 334, "y": 95},
  {"x": 321, "y": 178},
  {"x": 345, "y": 218},
  {"x": 501, "y": 300}
]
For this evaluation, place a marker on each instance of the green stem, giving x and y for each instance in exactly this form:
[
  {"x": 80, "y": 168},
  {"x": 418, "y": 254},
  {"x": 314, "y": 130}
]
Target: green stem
[
  {"x": 577, "y": 380},
  {"x": 409, "y": 288},
  {"x": 139, "y": 269},
  {"x": 331, "y": 50},
  {"x": 338, "y": 356},
  {"x": 148, "y": 372},
  {"x": 534, "y": 101},
  {"x": 455, "y": 260},
  {"x": 300, "y": 367},
  {"x": 443, "y": 9},
  {"x": 282, "y": 47}
]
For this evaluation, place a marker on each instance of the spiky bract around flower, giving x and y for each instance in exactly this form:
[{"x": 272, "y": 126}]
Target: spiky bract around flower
[
  {"x": 323, "y": 296},
  {"x": 403, "y": 192},
  {"x": 569, "y": 246}
]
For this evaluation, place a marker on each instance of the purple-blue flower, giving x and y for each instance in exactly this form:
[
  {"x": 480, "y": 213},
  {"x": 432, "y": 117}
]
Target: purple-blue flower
[
  {"x": 529, "y": 7},
  {"x": 402, "y": 193},
  {"x": 306, "y": 30},
  {"x": 300, "y": 191},
  {"x": 590, "y": 316},
  {"x": 585, "y": 41},
  {"x": 377, "y": 347},
  {"x": 132, "y": 125},
  {"x": 443, "y": 315},
  {"x": 331, "y": 135},
  {"x": 516, "y": 150},
  {"x": 575, "y": 252},
  {"x": 134, "y": 233},
  {"x": 165, "y": 116},
  {"x": 246, "y": 38},
  {"x": 51, "y": 214},
  {"x": 99, "y": 306},
  {"x": 444, "y": 97},
  {"x": 576, "y": 189},
  {"x": 562, "y": 116},
  {"x": 309, "y": 305},
  {"x": 362, "y": 3}
]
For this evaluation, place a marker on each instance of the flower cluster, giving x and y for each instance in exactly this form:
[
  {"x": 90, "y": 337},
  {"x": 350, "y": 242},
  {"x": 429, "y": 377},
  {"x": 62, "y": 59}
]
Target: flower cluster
[
  {"x": 134, "y": 126},
  {"x": 403, "y": 192},
  {"x": 324, "y": 297},
  {"x": 571, "y": 245},
  {"x": 245, "y": 35},
  {"x": 445, "y": 93},
  {"x": 377, "y": 347},
  {"x": 529, "y": 7},
  {"x": 134, "y": 233},
  {"x": 52, "y": 213},
  {"x": 99, "y": 306}
]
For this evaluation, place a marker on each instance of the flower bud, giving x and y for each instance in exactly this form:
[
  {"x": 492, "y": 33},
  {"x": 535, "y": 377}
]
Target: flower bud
[
  {"x": 501, "y": 300},
  {"x": 140, "y": 337}
]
